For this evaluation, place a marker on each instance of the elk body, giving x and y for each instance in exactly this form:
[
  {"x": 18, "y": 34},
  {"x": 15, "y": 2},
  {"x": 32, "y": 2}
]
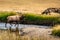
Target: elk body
[{"x": 14, "y": 19}]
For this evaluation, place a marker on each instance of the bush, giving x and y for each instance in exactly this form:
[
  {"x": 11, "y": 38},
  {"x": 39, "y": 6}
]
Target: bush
[{"x": 56, "y": 31}]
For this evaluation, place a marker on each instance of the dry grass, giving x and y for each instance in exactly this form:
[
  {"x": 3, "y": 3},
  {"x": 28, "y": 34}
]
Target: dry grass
[
  {"x": 56, "y": 30},
  {"x": 36, "y": 6},
  {"x": 6, "y": 35},
  {"x": 57, "y": 27}
]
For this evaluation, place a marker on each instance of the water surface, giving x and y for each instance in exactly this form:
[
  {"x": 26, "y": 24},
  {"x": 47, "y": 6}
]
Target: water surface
[{"x": 2, "y": 26}]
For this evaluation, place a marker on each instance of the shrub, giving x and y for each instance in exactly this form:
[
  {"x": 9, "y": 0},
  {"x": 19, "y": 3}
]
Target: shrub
[{"x": 56, "y": 31}]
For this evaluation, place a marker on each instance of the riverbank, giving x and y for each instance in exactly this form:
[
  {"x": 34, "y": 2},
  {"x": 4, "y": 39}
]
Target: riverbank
[
  {"x": 41, "y": 19},
  {"x": 31, "y": 33},
  {"x": 5, "y": 14},
  {"x": 31, "y": 18}
]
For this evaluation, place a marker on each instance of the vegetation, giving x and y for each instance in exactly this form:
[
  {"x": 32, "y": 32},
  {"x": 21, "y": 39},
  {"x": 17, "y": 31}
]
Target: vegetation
[
  {"x": 30, "y": 18},
  {"x": 6, "y": 35},
  {"x": 5, "y": 14},
  {"x": 56, "y": 30},
  {"x": 41, "y": 19}
]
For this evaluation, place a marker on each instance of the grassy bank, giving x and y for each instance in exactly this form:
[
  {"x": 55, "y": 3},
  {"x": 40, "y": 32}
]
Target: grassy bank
[
  {"x": 41, "y": 19},
  {"x": 31, "y": 18},
  {"x": 5, "y": 14},
  {"x": 56, "y": 30}
]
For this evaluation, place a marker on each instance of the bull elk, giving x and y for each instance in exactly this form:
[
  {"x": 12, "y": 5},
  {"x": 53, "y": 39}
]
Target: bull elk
[{"x": 14, "y": 19}]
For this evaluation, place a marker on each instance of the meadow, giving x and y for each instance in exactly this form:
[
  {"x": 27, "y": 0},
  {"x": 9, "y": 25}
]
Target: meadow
[
  {"x": 8, "y": 35},
  {"x": 31, "y": 18},
  {"x": 32, "y": 10}
]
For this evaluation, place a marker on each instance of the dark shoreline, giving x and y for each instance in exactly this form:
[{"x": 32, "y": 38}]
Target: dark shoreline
[{"x": 43, "y": 24}]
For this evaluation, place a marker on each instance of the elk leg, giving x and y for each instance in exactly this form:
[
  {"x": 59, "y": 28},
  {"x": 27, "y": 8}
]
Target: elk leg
[
  {"x": 6, "y": 24},
  {"x": 46, "y": 13},
  {"x": 49, "y": 13},
  {"x": 18, "y": 24},
  {"x": 11, "y": 24},
  {"x": 15, "y": 24}
]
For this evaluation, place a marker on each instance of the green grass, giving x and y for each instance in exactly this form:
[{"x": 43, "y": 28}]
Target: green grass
[
  {"x": 4, "y": 15},
  {"x": 41, "y": 19},
  {"x": 31, "y": 18},
  {"x": 56, "y": 30}
]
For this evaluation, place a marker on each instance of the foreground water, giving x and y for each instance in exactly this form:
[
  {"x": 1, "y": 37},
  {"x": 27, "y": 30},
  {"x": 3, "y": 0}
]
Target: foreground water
[{"x": 2, "y": 26}]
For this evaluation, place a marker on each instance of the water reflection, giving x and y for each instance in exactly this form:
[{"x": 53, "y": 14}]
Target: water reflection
[{"x": 2, "y": 26}]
